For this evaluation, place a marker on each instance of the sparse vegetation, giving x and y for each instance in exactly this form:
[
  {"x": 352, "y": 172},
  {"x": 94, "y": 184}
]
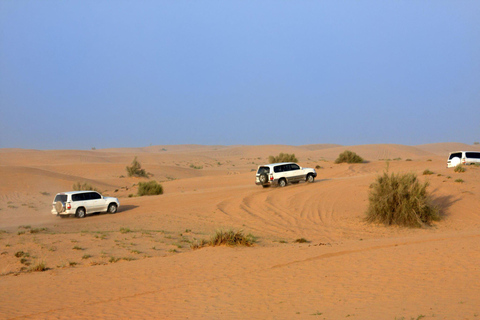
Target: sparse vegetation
[
  {"x": 86, "y": 256},
  {"x": 427, "y": 172},
  {"x": 408, "y": 160},
  {"x": 196, "y": 167},
  {"x": 44, "y": 193},
  {"x": 41, "y": 266},
  {"x": 318, "y": 167},
  {"x": 77, "y": 248},
  {"x": 283, "y": 157},
  {"x": 349, "y": 157},
  {"x": 136, "y": 169},
  {"x": 459, "y": 168},
  {"x": 400, "y": 199},
  {"x": 83, "y": 186},
  {"x": 149, "y": 188},
  {"x": 459, "y": 181},
  {"x": 231, "y": 238},
  {"x": 301, "y": 240}
]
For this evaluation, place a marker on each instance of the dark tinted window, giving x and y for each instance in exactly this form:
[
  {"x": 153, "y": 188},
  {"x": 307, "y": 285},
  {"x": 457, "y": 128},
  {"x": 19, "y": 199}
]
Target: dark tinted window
[
  {"x": 453, "y": 155},
  {"x": 61, "y": 198},
  {"x": 294, "y": 167},
  {"x": 263, "y": 170},
  {"x": 281, "y": 168},
  {"x": 78, "y": 197},
  {"x": 473, "y": 155},
  {"x": 94, "y": 196}
]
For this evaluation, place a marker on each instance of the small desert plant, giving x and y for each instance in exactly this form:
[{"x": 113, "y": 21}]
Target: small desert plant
[
  {"x": 86, "y": 256},
  {"x": 349, "y": 157},
  {"x": 125, "y": 230},
  {"x": 476, "y": 143},
  {"x": 459, "y": 181},
  {"x": 83, "y": 186},
  {"x": 459, "y": 168},
  {"x": 113, "y": 259},
  {"x": 283, "y": 157},
  {"x": 400, "y": 199},
  {"x": 77, "y": 248},
  {"x": 44, "y": 193},
  {"x": 41, "y": 266},
  {"x": 136, "y": 170},
  {"x": 408, "y": 159},
  {"x": 195, "y": 167},
  {"x": 318, "y": 167},
  {"x": 427, "y": 172},
  {"x": 301, "y": 240},
  {"x": 231, "y": 238},
  {"x": 149, "y": 188}
]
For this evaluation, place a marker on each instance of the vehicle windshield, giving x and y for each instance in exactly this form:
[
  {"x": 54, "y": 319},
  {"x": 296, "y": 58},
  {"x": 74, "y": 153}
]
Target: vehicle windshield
[{"x": 263, "y": 170}]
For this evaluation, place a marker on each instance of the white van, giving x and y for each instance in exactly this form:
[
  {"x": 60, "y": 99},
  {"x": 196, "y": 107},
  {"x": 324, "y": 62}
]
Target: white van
[{"x": 463, "y": 157}]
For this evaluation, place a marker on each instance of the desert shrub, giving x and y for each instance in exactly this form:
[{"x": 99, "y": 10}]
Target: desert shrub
[
  {"x": 459, "y": 180},
  {"x": 459, "y": 168},
  {"x": 149, "y": 188},
  {"x": 136, "y": 169},
  {"x": 400, "y": 199},
  {"x": 427, "y": 172},
  {"x": 231, "y": 238},
  {"x": 349, "y": 157},
  {"x": 41, "y": 266},
  {"x": 83, "y": 186},
  {"x": 476, "y": 143},
  {"x": 283, "y": 157},
  {"x": 301, "y": 240}
]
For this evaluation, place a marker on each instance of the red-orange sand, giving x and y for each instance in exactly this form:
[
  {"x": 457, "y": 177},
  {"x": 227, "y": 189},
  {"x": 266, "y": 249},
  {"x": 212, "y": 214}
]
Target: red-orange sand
[{"x": 138, "y": 263}]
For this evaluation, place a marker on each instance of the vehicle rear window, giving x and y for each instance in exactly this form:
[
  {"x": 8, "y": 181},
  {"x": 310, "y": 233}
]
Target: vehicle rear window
[
  {"x": 263, "y": 170},
  {"x": 453, "y": 155},
  {"x": 473, "y": 155},
  {"x": 61, "y": 198}
]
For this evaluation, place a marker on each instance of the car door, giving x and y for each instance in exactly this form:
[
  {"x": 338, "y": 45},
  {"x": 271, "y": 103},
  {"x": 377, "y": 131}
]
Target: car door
[
  {"x": 296, "y": 174},
  {"x": 97, "y": 204}
]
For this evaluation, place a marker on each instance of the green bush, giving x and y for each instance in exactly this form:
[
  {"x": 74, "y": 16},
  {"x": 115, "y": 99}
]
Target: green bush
[
  {"x": 459, "y": 168},
  {"x": 83, "y": 186},
  {"x": 136, "y": 170},
  {"x": 349, "y": 157},
  {"x": 400, "y": 199},
  {"x": 427, "y": 172},
  {"x": 149, "y": 188},
  {"x": 231, "y": 238},
  {"x": 283, "y": 157}
]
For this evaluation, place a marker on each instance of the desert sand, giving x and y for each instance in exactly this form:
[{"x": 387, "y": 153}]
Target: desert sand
[{"x": 138, "y": 263}]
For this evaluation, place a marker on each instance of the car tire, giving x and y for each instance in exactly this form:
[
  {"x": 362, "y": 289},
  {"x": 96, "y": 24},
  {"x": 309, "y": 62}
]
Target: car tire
[
  {"x": 80, "y": 213},
  {"x": 112, "y": 208},
  {"x": 263, "y": 178},
  {"x": 59, "y": 206},
  {"x": 310, "y": 178},
  {"x": 282, "y": 183}
]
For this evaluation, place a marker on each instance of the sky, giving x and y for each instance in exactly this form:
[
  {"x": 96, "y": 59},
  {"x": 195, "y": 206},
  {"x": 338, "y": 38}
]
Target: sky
[{"x": 109, "y": 74}]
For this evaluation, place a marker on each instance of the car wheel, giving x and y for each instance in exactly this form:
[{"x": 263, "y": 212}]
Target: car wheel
[
  {"x": 310, "y": 178},
  {"x": 263, "y": 178},
  {"x": 80, "y": 213},
  {"x": 282, "y": 183},
  {"x": 59, "y": 207},
  {"x": 112, "y": 208}
]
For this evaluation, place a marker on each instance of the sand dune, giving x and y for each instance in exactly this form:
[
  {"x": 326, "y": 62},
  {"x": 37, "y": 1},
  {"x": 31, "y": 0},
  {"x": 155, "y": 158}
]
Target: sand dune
[{"x": 139, "y": 264}]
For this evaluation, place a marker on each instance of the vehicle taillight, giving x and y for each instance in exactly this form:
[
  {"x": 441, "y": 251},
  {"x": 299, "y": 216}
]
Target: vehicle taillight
[
  {"x": 69, "y": 206},
  {"x": 271, "y": 177}
]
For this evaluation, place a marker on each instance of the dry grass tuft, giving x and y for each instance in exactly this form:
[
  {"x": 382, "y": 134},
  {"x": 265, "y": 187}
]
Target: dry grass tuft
[{"x": 400, "y": 199}]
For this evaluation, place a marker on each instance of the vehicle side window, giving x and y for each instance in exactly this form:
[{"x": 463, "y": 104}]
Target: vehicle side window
[
  {"x": 262, "y": 170},
  {"x": 94, "y": 195},
  {"x": 294, "y": 167},
  {"x": 286, "y": 167},
  {"x": 78, "y": 197},
  {"x": 473, "y": 155},
  {"x": 457, "y": 154},
  {"x": 278, "y": 169}
]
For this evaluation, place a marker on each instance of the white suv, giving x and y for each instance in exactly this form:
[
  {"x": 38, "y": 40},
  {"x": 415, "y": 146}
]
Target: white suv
[
  {"x": 79, "y": 203},
  {"x": 282, "y": 173},
  {"x": 463, "y": 157}
]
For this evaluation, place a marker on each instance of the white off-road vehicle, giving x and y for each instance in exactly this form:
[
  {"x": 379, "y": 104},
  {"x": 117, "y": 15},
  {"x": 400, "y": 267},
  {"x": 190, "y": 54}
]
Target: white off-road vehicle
[
  {"x": 80, "y": 203},
  {"x": 463, "y": 157},
  {"x": 283, "y": 173}
]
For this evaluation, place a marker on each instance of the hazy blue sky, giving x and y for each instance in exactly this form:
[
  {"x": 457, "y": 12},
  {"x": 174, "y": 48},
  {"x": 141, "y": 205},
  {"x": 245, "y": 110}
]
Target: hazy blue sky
[{"x": 82, "y": 74}]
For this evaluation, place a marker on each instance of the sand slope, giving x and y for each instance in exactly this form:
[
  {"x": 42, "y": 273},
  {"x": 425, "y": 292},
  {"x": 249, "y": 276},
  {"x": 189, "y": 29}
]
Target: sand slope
[{"x": 139, "y": 264}]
